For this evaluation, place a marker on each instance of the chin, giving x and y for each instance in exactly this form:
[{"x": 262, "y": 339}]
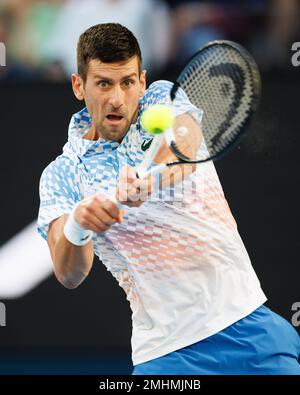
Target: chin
[{"x": 114, "y": 135}]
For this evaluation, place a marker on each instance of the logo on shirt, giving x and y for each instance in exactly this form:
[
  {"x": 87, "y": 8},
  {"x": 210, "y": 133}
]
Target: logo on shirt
[
  {"x": 49, "y": 202},
  {"x": 146, "y": 144}
]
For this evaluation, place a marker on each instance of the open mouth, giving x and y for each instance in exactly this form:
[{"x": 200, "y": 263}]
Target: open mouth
[{"x": 114, "y": 118}]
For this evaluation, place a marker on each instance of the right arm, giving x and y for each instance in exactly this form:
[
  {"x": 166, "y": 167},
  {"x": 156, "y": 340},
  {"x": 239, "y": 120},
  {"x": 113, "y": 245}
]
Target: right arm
[{"x": 73, "y": 263}]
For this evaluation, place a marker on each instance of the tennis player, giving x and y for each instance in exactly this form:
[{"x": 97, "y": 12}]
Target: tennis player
[{"x": 197, "y": 304}]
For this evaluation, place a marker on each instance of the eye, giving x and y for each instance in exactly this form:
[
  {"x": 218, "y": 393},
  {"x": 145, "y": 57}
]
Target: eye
[
  {"x": 128, "y": 82},
  {"x": 103, "y": 84}
]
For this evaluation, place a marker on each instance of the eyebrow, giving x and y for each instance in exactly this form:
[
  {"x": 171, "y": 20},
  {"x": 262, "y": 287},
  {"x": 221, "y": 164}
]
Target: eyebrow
[{"x": 98, "y": 76}]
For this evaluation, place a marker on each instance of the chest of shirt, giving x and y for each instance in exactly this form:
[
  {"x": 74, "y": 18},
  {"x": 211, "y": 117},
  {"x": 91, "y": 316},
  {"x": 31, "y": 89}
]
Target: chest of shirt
[{"x": 99, "y": 168}]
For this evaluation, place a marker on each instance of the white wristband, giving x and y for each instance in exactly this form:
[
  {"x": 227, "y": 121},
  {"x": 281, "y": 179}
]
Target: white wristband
[{"x": 75, "y": 233}]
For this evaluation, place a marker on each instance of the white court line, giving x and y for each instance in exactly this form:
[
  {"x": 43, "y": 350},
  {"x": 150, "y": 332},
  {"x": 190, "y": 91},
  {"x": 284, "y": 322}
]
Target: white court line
[{"x": 24, "y": 263}]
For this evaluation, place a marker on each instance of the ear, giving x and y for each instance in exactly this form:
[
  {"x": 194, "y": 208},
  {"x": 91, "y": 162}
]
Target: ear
[
  {"x": 143, "y": 83},
  {"x": 78, "y": 86}
]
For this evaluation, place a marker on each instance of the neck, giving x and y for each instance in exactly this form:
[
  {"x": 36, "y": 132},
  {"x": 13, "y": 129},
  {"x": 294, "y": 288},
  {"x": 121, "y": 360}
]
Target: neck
[{"x": 91, "y": 134}]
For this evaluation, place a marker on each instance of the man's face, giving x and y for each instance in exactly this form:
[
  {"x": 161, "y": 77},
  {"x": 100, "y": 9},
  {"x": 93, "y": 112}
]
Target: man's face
[{"x": 111, "y": 93}]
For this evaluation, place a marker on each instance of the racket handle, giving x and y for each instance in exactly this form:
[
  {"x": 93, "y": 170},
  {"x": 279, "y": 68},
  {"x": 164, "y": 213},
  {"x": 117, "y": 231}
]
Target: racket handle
[
  {"x": 142, "y": 169},
  {"x": 151, "y": 172},
  {"x": 155, "y": 170}
]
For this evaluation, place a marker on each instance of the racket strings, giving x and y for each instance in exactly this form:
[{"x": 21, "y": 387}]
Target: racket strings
[{"x": 223, "y": 82}]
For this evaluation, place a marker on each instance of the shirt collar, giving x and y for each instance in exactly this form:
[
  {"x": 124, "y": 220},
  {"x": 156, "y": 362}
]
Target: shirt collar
[{"x": 80, "y": 123}]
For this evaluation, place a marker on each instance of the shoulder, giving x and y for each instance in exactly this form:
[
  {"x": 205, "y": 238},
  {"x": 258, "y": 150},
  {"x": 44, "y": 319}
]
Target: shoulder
[
  {"x": 157, "y": 92},
  {"x": 60, "y": 172},
  {"x": 159, "y": 88},
  {"x": 61, "y": 164}
]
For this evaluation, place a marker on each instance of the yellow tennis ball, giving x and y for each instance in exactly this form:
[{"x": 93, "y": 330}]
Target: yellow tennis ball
[{"x": 157, "y": 118}]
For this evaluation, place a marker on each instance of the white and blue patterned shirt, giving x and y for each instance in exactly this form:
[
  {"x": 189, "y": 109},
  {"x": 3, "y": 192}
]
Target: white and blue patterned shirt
[{"x": 180, "y": 261}]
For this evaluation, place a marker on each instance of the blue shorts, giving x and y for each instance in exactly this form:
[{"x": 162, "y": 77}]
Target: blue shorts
[{"x": 261, "y": 343}]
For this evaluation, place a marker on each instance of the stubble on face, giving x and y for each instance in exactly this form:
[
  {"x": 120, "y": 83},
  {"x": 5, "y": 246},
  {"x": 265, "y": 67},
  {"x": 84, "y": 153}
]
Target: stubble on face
[{"x": 112, "y": 93}]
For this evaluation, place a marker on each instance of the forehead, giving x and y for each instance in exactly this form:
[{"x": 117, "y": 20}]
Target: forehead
[{"x": 115, "y": 70}]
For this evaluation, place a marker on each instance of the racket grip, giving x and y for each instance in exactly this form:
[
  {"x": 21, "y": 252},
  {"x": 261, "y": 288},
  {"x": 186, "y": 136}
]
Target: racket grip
[
  {"x": 143, "y": 167},
  {"x": 152, "y": 172}
]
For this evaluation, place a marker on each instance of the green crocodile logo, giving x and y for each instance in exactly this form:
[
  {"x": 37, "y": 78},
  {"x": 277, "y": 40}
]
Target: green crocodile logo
[
  {"x": 84, "y": 238},
  {"x": 146, "y": 144}
]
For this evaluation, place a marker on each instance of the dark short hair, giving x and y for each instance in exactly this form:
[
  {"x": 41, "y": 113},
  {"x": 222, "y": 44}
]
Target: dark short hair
[{"x": 107, "y": 42}]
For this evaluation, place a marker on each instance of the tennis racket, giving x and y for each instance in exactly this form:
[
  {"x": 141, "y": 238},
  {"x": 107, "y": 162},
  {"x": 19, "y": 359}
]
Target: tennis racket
[{"x": 223, "y": 80}]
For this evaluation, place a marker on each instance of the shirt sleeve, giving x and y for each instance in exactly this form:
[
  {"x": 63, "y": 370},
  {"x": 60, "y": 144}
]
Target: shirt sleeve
[
  {"x": 159, "y": 93},
  {"x": 58, "y": 192}
]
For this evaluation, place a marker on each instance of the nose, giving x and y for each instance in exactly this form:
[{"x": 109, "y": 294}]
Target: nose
[{"x": 117, "y": 98}]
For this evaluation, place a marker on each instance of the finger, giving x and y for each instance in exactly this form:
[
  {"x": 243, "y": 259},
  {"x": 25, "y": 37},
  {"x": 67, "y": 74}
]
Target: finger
[
  {"x": 141, "y": 189},
  {"x": 121, "y": 216},
  {"x": 94, "y": 224},
  {"x": 127, "y": 174},
  {"x": 129, "y": 196},
  {"x": 146, "y": 186},
  {"x": 103, "y": 215},
  {"x": 110, "y": 209},
  {"x": 103, "y": 202}
]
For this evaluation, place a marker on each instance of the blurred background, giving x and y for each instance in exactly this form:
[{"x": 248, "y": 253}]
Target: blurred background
[{"x": 50, "y": 329}]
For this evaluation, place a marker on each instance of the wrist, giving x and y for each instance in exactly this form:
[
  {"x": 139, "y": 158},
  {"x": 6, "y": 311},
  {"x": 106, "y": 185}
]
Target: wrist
[{"x": 74, "y": 233}]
